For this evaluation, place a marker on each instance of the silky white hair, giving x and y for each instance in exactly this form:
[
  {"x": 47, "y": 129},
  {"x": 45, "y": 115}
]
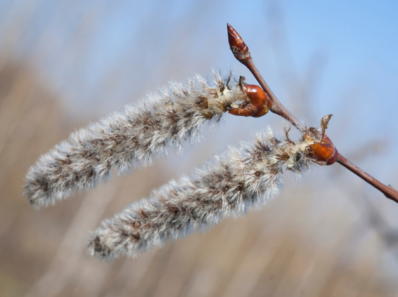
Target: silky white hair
[
  {"x": 126, "y": 140},
  {"x": 229, "y": 185}
]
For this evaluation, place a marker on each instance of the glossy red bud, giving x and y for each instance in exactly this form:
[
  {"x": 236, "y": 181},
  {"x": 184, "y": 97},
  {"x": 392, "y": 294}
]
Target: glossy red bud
[
  {"x": 260, "y": 103},
  {"x": 324, "y": 151}
]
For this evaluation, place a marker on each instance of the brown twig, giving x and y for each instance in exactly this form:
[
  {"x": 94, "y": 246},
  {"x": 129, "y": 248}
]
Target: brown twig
[
  {"x": 242, "y": 54},
  {"x": 386, "y": 190}
]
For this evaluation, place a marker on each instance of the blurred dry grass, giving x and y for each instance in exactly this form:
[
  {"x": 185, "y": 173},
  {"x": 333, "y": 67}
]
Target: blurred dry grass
[{"x": 308, "y": 242}]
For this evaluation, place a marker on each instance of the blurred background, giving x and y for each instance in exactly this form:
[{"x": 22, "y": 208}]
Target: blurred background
[{"x": 64, "y": 64}]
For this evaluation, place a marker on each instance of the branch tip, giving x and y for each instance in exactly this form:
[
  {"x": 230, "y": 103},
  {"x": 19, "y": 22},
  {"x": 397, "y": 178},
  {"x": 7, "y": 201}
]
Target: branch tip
[{"x": 237, "y": 45}]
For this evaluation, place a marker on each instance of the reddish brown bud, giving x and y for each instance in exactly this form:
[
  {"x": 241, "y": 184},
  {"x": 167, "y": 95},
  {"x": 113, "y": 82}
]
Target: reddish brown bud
[
  {"x": 258, "y": 98},
  {"x": 259, "y": 102},
  {"x": 237, "y": 45},
  {"x": 324, "y": 151}
]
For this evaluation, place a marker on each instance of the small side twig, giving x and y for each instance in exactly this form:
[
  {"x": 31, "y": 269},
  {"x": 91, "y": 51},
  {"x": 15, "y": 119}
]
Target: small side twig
[{"x": 242, "y": 54}]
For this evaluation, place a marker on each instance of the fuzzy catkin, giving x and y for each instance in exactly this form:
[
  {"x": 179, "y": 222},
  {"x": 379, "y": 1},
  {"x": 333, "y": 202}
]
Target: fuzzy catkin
[
  {"x": 229, "y": 185},
  {"x": 126, "y": 140}
]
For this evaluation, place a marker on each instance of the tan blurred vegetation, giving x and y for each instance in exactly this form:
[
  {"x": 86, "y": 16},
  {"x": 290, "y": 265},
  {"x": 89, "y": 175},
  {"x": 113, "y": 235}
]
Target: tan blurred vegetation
[{"x": 309, "y": 241}]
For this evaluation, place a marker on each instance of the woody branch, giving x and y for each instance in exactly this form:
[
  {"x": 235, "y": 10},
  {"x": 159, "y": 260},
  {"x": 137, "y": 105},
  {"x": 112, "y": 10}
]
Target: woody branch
[{"x": 242, "y": 54}]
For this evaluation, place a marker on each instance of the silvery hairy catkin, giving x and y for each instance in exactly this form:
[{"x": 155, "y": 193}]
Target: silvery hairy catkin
[
  {"x": 125, "y": 140},
  {"x": 229, "y": 185}
]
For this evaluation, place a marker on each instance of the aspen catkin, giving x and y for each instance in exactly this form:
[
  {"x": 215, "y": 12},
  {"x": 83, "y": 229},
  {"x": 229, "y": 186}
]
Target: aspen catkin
[{"x": 126, "y": 140}]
